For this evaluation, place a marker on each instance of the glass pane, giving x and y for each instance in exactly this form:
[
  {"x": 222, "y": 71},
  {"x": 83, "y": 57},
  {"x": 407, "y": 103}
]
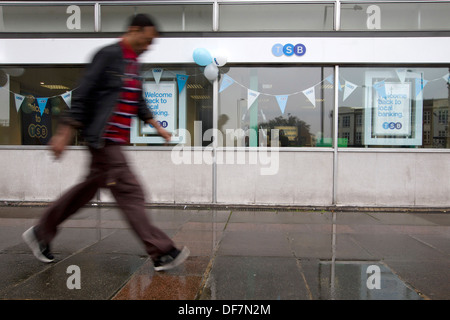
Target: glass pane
[
  {"x": 394, "y": 107},
  {"x": 275, "y": 17},
  {"x": 395, "y": 16},
  {"x": 33, "y": 98},
  {"x": 169, "y": 18},
  {"x": 195, "y": 104},
  {"x": 297, "y": 101},
  {"x": 68, "y": 18},
  {"x": 25, "y": 119}
]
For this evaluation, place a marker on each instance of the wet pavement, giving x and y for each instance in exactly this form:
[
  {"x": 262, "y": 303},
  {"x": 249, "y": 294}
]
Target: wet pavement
[{"x": 235, "y": 255}]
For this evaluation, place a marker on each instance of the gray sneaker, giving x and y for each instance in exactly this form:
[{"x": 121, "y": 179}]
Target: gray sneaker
[
  {"x": 171, "y": 260},
  {"x": 40, "y": 250}
]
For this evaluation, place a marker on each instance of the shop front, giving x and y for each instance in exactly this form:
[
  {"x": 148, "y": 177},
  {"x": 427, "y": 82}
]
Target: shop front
[{"x": 293, "y": 103}]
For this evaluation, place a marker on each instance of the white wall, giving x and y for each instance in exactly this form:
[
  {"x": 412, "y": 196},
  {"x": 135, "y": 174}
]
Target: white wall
[
  {"x": 168, "y": 183},
  {"x": 305, "y": 178},
  {"x": 33, "y": 175},
  {"x": 393, "y": 178}
]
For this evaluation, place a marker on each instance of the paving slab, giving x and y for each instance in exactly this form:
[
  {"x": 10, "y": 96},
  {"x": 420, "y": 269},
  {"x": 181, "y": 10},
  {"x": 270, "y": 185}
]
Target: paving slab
[{"x": 235, "y": 255}]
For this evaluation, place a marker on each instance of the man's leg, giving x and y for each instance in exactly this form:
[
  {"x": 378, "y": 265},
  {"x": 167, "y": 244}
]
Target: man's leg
[
  {"x": 130, "y": 198},
  {"x": 70, "y": 202}
]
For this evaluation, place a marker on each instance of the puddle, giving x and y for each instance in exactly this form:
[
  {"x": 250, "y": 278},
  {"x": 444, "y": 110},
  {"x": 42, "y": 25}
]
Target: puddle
[{"x": 362, "y": 280}]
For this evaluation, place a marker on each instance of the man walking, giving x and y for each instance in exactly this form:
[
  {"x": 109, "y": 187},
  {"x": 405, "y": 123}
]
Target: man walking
[{"x": 109, "y": 95}]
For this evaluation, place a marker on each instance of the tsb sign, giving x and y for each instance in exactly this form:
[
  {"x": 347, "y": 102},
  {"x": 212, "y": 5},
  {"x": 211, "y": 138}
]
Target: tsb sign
[{"x": 288, "y": 49}]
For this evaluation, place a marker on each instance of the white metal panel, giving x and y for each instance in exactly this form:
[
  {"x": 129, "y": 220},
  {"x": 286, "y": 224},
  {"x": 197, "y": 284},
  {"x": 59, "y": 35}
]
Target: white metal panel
[{"x": 336, "y": 50}]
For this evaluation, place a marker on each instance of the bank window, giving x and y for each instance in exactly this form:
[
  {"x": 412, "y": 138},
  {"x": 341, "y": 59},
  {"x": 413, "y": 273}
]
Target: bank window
[
  {"x": 32, "y": 98},
  {"x": 180, "y": 98},
  {"x": 276, "y": 17},
  {"x": 387, "y": 16},
  {"x": 399, "y": 106},
  {"x": 264, "y": 106},
  {"x": 168, "y": 17},
  {"x": 54, "y": 18}
]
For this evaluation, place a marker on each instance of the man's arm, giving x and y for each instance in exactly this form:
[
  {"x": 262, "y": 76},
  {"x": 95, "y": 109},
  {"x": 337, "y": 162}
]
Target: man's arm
[
  {"x": 161, "y": 131},
  {"x": 74, "y": 118},
  {"x": 59, "y": 141}
]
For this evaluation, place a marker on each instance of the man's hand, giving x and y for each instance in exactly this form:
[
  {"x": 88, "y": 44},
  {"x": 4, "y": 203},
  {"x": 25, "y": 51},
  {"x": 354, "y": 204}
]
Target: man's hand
[
  {"x": 161, "y": 131},
  {"x": 61, "y": 139}
]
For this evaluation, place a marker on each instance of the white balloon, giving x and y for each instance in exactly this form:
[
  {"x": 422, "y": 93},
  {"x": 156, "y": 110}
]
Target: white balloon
[
  {"x": 211, "y": 71},
  {"x": 220, "y": 59}
]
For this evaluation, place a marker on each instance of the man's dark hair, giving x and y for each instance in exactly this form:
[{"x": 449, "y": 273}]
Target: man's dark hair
[{"x": 142, "y": 20}]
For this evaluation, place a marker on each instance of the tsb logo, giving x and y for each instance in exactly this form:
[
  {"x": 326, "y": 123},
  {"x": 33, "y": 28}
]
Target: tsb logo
[{"x": 288, "y": 49}]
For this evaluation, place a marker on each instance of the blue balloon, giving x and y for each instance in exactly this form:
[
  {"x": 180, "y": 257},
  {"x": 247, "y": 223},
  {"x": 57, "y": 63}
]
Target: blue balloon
[{"x": 202, "y": 57}]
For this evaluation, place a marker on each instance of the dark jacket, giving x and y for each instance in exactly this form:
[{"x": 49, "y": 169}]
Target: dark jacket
[{"x": 95, "y": 98}]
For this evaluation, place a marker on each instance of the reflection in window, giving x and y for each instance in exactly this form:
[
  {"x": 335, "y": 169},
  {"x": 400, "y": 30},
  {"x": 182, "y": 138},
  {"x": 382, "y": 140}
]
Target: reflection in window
[
  {"x": 395, "y": 16},
  {"x": 296, "y": 101},
  {"x": 195, "y": 105},
  {"x": 169, "y": 18},
  {"x": 33, "y": 98},
  {"x": 399, "y": 107},
  {"x": 270, "y": 17},
  {"x": 42, "y": 18}
]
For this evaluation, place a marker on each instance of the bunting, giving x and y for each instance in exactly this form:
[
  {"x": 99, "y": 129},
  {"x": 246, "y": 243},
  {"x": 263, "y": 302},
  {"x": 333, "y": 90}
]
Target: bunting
[
  {"x": 401, "y": 74},
  {"x": 67, "y": 97},
  {"x": 42, "y": 102},
  {"x": 330, "y": 79},
  {"x": 311, "y": 95},
  {"x": 380, "y": 88},
  {"x": 226, "y": 82},
  {"x": 157, "y": 73},
  {"x": 282, "y": 100},
  {"x": 348, "y": 89},
  {"x": 420, "y": 84},
  {"x": 251, "y": 97},
  {"x": 181, "y": 80},
  {"x": 19, "y": 99}
]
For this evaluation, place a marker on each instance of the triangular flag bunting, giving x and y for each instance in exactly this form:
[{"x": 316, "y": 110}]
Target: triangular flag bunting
[
  {"x": 42, "y": 102},
  {"x": 348, "y": 89},
  {"x": 330, "y": 79},
  {"x": 420, "y": 84},
  {"x": 226, "y": 82},
  {"x": 401, "y": 74},
  {"x": 282, "y": 100},
  {"x": 311, "y": 95},
  {"x": 181, "y": 79},
  {"x": 381, "y": 89},
  {"x": 157, "y": 73},
  {"x": 251, "y": 97},
  {"x": 67, "y": 97},
  {"x": 19, "y": 99},
  {"x": 446, "y": 77}
]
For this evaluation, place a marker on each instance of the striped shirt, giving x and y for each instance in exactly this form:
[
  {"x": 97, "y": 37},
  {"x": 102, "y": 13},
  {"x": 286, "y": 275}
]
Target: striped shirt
[{"x": 118, "y": 126}]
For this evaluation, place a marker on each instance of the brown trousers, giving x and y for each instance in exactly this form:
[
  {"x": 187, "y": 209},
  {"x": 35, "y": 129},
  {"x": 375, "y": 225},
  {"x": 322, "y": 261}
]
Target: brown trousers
[{"x": 110, "y": 169}]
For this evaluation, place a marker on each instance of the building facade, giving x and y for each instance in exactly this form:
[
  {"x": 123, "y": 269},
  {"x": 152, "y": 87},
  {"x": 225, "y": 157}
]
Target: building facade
[{"x": 290, "y": 103}]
